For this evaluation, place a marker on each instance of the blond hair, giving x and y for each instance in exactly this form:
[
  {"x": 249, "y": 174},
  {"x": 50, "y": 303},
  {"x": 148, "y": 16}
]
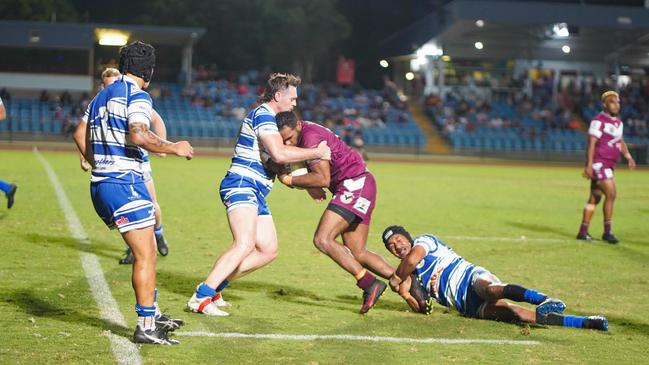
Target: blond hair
[
  {"x": 278, "y": 82},
  {"x": 110, "y": 72},
  {"x": 609, "y": 93}
]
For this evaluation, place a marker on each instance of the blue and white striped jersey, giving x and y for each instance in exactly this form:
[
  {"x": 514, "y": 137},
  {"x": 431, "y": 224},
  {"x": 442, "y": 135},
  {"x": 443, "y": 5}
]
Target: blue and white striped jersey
[
  {"x": 109, "y": 114},
  {"x": 444, "y": 274},
  {"x": 246, "y": 160}
]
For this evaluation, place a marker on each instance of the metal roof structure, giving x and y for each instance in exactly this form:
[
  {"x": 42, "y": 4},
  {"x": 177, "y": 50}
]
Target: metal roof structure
[{"x": 523, "y": 30}]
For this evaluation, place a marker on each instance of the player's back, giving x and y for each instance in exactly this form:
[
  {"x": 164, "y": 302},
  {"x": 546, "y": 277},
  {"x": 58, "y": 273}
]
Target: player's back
[
  {"x": 345, "y": 162},
  {"x": 116, "y": 159},
  {"x": 246, "y": 159},
  {"x": 445, "y": 275}
]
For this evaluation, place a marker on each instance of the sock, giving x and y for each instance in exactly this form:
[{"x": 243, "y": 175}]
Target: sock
[
  {"x": 519, "y": 294},
  {"x": 574, "y": 321},
  {"x": 158, "y": 312},
  {"x": 607, "y": 227},
  {"x": 224, "y": 284},
  {"x": 583, "y": 229},
  {"x": 5, "y": 186},
  {"x": 157, "y": 231},
  {"x": 204, "y": 290},
  {"x": 365, "y": 281},
  {"x": 145, "y": 317}
]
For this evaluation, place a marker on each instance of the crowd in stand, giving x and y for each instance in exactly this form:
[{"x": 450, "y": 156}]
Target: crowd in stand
[{"x": 535, "y": 114}]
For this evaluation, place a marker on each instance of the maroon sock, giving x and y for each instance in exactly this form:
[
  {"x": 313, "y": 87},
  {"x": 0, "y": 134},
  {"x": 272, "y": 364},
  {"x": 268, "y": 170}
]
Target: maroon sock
[
  {"x": 607, "y": 227},
  {"x": 583, "y": 229},
  {"x": 365, "y": 281}
]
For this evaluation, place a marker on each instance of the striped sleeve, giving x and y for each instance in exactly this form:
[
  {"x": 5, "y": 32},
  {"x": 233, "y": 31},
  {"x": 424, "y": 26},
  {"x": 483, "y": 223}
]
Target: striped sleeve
[
  {"x": 264, "y": 123},
  {"x": 427, "y": 243},
  {"x": 140, "y": 108}
]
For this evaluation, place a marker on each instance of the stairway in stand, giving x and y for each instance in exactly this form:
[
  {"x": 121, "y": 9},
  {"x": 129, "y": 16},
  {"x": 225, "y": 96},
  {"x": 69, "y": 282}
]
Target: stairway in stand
[{"x": 436, "y": 144}]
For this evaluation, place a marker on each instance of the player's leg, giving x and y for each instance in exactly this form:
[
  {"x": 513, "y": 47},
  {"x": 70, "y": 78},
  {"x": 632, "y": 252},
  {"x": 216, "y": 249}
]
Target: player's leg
[
  {"x": 265, "y": 248},
  {"x": 610, "y": 193},
  {"x": 333, "y": 222},
  {"x": 589, "y": 209},
  {"x": 243, "y": 225},
  {"x": 490, "y": 288},
  {"x": 503, "y": 311},
  {"x": 161, "y": 242},
  {"x": 10, "y": 192},
  {"x": 355, "y": 238}
]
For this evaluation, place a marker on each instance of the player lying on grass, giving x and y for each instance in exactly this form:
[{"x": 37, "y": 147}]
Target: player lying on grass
[
  {"x": 431, "y": 271},
  {"x": 349, "y": 213}
]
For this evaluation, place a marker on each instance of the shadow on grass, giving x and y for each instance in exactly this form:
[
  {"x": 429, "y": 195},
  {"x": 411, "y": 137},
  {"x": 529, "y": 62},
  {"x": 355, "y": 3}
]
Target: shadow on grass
[
  {"x": 184, "y": 285},
  {"x": 542, "y": 229},
  {"x": 31, "y": 304},
  {"x": 99, "y": 248},
  {"x": 627, "y": 324}
]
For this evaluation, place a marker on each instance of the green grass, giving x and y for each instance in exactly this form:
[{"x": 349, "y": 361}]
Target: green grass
[{"x": 49, "y": 315}]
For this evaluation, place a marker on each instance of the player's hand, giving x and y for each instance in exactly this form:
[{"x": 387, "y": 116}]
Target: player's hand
[
  {"x": 85, "y": 165},
  {"x": 285, "y": 179},
  {"x": 318, "y": 194},
  {"x": 631, "y": 162},
  {"x": 395, "y": 281},
  {"x": 184, "y": 149},
  {"x": 588, "y": 172},
  {"x": 161, "y": 154},
  {"x": 324, "y": 151}
]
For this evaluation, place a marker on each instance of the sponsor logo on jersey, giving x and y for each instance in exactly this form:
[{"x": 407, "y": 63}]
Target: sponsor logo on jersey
[
  {"x": 362, "y": 205},
  {"x": 347, "y": 197},
  {"x": 121, "y": 221}
]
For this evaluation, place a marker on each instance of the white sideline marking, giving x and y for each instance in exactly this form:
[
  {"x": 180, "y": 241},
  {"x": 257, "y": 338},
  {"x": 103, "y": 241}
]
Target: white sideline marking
[
  {"x": 274, "y": 336},
  {"x": 125, "y": 351},
  {"x": 508, "y": 239}
]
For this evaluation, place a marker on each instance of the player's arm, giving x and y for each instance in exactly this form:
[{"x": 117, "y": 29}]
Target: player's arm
[
  {"x": 319, "y": 176},
  {"x": 407, "y": 266},
  {"x": 3, "y": 112},
  {"x": 158, "y": 126},
  {"x": 404, "y": 292},
  {"x": 594, "y": 133},
  {"x": 627, "y": 155},
  {"x": 282, "y": 154},
  {"x": 79, "y": 137},
  {"x": 142, "y": 136}
]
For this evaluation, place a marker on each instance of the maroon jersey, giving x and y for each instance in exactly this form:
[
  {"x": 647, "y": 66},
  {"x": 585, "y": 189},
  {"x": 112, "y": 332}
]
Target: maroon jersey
[
  {"x": 608, "y": 130},
  {"x": 345, "y": 162}
]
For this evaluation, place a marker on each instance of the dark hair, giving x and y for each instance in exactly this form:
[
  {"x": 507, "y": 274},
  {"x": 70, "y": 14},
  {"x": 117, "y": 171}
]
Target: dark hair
[
  {"x": 278, "y": 82},
  {"x": 138, "y": 59},
  {"x": 286, "y": 119},
  {"x": 392, "y": 230}
]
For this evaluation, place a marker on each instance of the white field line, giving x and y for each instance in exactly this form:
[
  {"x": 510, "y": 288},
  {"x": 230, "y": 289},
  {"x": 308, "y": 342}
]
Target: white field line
[
  {"x": 125, "y": 351},
  {"x": 508, "y": 239},
  {"x": 281, "y": 337}
]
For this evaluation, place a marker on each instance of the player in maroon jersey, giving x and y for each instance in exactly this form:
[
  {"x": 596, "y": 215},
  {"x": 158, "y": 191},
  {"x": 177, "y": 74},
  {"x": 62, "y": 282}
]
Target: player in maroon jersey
[
  {"x": 350, "y": 210},
  {"x": 605, "y": 143}
]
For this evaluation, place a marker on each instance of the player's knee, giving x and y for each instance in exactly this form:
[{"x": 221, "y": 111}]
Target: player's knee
[
  {"x": 493, "y": 292},
  {"x": 245, "y": 246},
  {"x": 321, "y": 242}
]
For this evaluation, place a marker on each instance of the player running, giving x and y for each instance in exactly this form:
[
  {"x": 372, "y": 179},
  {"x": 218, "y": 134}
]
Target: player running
[
  {"x": 118, "y": 127},
  {"x": 244, "y": 189},
  {"x": 350, "y": 210},
  {"x": 109, "y": 76},
  {"x": 430, "y": 270},
  {"x": 7, "y": 188},
  {"x": 605, "y": 141}
]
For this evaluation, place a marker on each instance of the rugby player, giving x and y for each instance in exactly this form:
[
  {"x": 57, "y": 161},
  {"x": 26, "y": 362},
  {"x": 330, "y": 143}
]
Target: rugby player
[
  {"x": 117, "y": 130},
  {"x": 7, "y": 188},
  {"x": 605, "y": 142},
  {"x": 443, "y": 276},
  {"x": 350, "y": 210},
  {"x": 244, "y": 189},
  {"x": 158, "y": 126}
]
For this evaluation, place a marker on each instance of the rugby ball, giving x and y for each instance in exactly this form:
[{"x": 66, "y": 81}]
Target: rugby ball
[{"x": 298, "y": 169}]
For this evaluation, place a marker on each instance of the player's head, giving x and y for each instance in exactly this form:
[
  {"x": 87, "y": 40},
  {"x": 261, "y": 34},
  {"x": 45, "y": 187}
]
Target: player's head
[
  {"x": 611, "y": 102},
  {"x": 281, "y": 90},
  {"x": 397, "y": 240},
  {"x": 289, "y": 127},
  {"x": 109, "y": 76},
  {"x": 137, "y": 59}
]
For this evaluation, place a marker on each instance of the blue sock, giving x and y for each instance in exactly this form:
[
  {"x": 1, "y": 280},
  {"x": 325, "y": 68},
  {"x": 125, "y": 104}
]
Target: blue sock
[
  {"x": 158, "y": 230},
  {"x": 145, "y": 316},
  {"x": 4, "y": 186},
  {"x": 573, "y": 321},
  {"x": 222, "y": 286},
  {"x": 534, "y": 297},
  {"x": 204, "y": 290}
]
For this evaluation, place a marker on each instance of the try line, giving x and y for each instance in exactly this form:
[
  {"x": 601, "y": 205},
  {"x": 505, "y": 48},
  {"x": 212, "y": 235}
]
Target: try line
[
  {"x": 282, "y": 337},
  {"x": 125, "y": 351}
]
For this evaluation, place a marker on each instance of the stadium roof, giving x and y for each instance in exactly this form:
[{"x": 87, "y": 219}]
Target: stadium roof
[
  {"x": 523, "y": 30},
  {"x": 83, "y": 36}
]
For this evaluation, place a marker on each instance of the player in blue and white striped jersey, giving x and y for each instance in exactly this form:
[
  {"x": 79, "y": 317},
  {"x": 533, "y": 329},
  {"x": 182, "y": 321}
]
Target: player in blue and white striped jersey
[
  {"x": 444, "y": 276},
  {"x": 118, "y": 126},
  {"x": 244, "y": 189}
]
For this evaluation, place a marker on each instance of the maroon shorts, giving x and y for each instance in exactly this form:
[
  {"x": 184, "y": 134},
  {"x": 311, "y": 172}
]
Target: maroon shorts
[
  {"x": 603, "y": 170},
  {"x": 355, "y": 197}
]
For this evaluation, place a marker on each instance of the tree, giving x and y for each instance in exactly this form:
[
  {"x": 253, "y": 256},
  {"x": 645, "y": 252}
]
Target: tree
[{"x": 38, "y": 10}]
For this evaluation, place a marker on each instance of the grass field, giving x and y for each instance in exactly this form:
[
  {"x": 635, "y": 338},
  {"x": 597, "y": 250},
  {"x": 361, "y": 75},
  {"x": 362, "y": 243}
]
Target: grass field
[{"x": 517, "y": 221}]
